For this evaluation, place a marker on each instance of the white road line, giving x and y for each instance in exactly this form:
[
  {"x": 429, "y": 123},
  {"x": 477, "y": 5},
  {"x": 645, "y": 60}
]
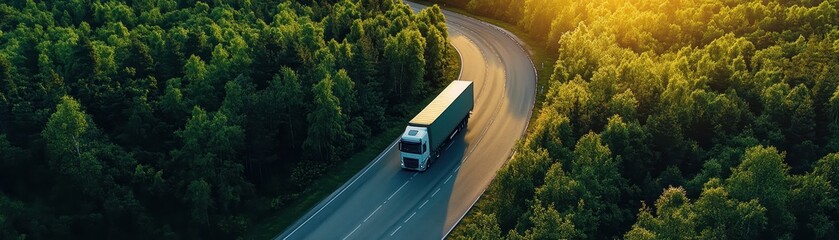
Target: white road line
[
  {"x": 394, "y": 231},
  {"x": 423, "y": 204},
  {"x": 392, "y": 145},
  {"x": 342, "y": 190},
  {"x": 397, "y": 190},
  {"x": 459, "y": 76},
  {"x": 447, "y": 179},
  {"x": 353, "y": 231},
  {"x": 533, "y": 103},
  {"x": 409, "y": 217},
  {"x": 371, "y": 214}
]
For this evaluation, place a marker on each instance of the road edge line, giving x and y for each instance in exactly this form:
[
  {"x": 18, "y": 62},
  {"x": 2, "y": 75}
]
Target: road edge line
[
  {"x": 529, "y": 115},
  {"x": 337, "y": 193}
]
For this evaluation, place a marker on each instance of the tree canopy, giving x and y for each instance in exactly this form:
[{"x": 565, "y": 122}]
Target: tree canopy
[
  {"x": 185, "y": 119},
  {"x": 692, "y": 120}
]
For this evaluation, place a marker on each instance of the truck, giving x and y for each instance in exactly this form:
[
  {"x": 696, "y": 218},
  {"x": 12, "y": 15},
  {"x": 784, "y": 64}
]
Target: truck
[{"x": 436, "y": 126}]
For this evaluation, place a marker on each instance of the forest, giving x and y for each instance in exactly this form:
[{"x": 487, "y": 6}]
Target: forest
[
  {"x": 191, "y": 119},
  {"x": 674, "y": 119}
]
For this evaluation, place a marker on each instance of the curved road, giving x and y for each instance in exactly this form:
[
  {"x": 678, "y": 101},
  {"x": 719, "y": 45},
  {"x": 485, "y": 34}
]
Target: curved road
[{"x": 384, "y": 202}]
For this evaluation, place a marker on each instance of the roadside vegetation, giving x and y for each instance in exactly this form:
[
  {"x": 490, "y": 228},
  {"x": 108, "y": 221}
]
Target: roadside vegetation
[
  {"x": 673, "y": 120},
  {"x": 174, "y": 119}
]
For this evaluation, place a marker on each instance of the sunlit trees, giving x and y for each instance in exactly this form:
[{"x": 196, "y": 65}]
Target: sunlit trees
[
  {"x": 713, "y": 215},
  {"x": 549, "y": 224},
  {"x": 726, "y": 105},
  {"x": 518, "y": 179},
  {"x": 483, "y": 226},
  {"x": 598, "y": 173}
]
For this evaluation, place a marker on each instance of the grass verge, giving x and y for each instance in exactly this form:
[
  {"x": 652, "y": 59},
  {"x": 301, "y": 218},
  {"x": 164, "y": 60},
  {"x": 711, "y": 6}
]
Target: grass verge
[{"x": 274, "y": 224}]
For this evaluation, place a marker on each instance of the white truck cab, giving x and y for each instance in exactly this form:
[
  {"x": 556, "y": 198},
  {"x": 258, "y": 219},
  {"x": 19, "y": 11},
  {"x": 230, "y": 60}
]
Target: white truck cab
[{"x": 414, "y": 148}]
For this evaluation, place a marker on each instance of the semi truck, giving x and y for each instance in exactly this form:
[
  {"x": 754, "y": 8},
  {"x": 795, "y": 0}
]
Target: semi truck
[{"x": 436, "y": 125}]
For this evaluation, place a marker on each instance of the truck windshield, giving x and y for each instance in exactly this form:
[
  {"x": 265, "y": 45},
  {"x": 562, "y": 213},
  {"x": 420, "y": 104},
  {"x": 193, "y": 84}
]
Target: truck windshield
[{"x": 410, "y": 147}]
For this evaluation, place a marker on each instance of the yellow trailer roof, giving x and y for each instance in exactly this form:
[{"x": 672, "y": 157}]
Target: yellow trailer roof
[{"x": 440, "y": 103}]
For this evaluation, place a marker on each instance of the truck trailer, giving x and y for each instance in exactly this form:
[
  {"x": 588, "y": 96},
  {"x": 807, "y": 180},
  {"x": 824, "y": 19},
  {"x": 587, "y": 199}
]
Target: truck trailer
[{"x": 436, "y": 125}]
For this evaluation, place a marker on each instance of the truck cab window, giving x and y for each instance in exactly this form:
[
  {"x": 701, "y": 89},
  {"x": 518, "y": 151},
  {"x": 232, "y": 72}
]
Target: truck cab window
[
  {"x": 410, "y": 147},
  {"x": 424, "y": 148}
]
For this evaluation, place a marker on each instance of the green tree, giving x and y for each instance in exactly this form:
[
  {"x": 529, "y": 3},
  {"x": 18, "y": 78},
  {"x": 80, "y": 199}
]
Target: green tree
[
  {"x": 199, "y": 200},
  {"x": 572, "y": 99},
  {"x": 172, "y": 103},
  {"x": 68, "y": 143},
  {"x": 326, "y": 124},
  {"x": 549, "y": 224},
  {"x": 597, "y": 172},
  {"x": 285, "y": 96},
  {"x": 828, "y": 167},
  {"x": 719, "y": 215},
  {"x": 812, "y": 201},
  {"x": 624, "y": 104},
  {"x": 630, "y": 142},
  {"x": 199, "y": 90},
  {"x": 345, "y": 91},
  {"x": 763, "y": 176},
  {"x": 404, "y": 55},
  {"x": 65, "y": 130},
  {"x": 210, "y": 152},
  {"x": 436, "y": 58},
  {"x": 674, "y": 220},
  {"x": 551, "y": 131},
  {"x": 559, "y": 189},
  {"x": 515, "y": 185},
  {"x": 483, "y": 226}
]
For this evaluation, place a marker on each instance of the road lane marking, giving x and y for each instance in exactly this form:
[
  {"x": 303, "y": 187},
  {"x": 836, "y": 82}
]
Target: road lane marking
[
  {"x": 371, "y": 214},
  {"x": 409, "y": 217},
  {"x": 459, "y": 76},
  {"x": 394, "y": 231},
  {"x": 435, "y": 192},
  {"x": 447, "y": 179},
  {"x": 423, "y": 204},
  {"x": 397, "y": 190},
  {"x": 458, "y": 167},
  {"x": 342, "y": 190},
  {"x": 519, "y": 44},
  {"x": 353, "y": 231},
  {"x": 466, "y": 20}
]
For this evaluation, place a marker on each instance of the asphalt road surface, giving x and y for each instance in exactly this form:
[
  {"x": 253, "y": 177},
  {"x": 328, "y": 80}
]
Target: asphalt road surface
[{"x": 383, "y": 201}]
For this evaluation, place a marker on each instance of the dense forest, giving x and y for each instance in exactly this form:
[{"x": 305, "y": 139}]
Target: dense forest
[
  {"x": 171, "y": 119},
  {"x": 675, "y": 119}
]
